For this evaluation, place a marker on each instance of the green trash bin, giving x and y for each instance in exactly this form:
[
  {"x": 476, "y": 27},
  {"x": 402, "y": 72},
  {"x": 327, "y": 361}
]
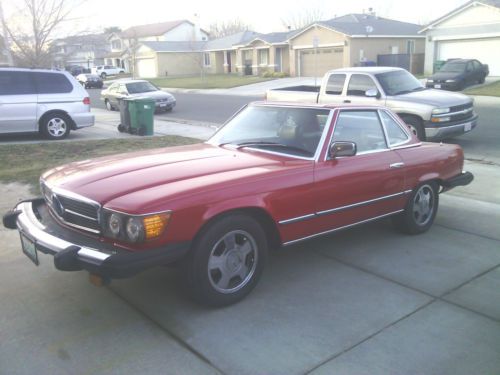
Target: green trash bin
[
  {"x": 438, "y": 64},
  {"x": 142, "y": 112}
]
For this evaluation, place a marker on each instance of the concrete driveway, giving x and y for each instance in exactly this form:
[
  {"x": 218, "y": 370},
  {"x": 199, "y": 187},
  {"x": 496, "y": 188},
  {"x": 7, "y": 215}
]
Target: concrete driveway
[{"x": 364, "y": 301}]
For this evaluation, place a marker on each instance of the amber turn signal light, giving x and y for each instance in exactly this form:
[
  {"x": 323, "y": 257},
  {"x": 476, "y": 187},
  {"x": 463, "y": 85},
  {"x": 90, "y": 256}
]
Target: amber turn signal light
[{"x": 154, "y": 225}]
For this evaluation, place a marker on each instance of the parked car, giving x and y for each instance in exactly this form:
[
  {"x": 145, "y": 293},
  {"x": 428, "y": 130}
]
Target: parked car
[
  {"x": 75, "y": 70},
  {"x": 107, "y": 70},
  {"x": 457, "y": 74},
  {"x": 128, "y": 88},
  {"x": 273, "y": 176},
  {"x": 47, "y": 101},
  {"x": 90, "y": 80},
  {"x": 432, "y": 115}
]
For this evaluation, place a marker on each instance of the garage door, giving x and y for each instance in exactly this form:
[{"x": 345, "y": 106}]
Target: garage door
[
  {"x": 146, "y": 68},
  {"x": 485, "y": 50},
  {"x": 316, "y": 64}
]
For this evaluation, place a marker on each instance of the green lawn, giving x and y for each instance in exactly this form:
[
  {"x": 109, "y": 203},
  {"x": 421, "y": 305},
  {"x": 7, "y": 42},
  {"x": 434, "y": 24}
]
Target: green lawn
[
  {"x": 25, "y": 163},
  {"x": 209, "y": 81},
  {"x": 492, "y": 89}
]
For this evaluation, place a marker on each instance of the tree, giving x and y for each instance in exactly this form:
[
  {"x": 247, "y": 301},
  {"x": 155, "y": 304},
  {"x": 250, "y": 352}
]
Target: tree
[
  {"x": 225, "y": 28},
  {"x": 32, "y": 26},
  {"x": 305, "y": 17},
  {"x": 112, "y": 29}
]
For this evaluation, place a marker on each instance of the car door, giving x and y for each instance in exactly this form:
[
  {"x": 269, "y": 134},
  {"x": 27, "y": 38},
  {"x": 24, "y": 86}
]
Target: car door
[
  {"x": 368, "y": 185},
  {"x": 18, "y": 102},
  {"x": 332, "y": 93},
  {"x": 363, "y": 90},
  {"x": 112, "y": 93}
]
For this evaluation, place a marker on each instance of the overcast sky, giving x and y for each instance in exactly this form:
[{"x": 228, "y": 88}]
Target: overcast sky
[{"x": 262, "y": 15}]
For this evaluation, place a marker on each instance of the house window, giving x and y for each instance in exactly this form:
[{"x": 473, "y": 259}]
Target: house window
[
  {"x": 263, "y": 57},
  {"x": 410, "y": 46},
  {"x": 247, "y": 55},
  {"x": 206, "y": 59},
  {"x": 116, "y": 44}
]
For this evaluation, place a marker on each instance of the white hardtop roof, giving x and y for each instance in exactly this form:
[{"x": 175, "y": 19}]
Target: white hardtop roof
[{"x": 366, "y": 69}]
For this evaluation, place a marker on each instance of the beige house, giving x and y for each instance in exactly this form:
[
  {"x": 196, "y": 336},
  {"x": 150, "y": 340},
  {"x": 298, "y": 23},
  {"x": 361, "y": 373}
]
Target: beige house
[
  {"x": 471, "y": 31},
  {"x": 354, "y": 40}
]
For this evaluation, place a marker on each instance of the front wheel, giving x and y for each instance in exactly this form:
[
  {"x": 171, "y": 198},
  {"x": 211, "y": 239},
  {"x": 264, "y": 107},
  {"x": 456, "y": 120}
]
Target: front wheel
[
  {"x": 55, "y": 126},
  {"x": 226, "y": 260},
  {"x": 103, "y": 75},
  {"x": 420, "y": 211},
  {"x": 415, "y": 125},
  {"x": 108, "y": 105}
]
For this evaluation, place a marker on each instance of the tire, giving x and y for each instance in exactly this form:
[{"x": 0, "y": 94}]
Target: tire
[
  {"x": 415, "y": 125},
  {"x": 226, "y": 260},
  {"x": 108, "y": 105},
  {"x": 55, "y": 126},
  {"x": 103, "y": 75},
  {"x": 420, "y": 211}
]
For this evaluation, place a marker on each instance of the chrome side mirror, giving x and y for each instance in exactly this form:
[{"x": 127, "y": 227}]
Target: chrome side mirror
[
  {"x": 338, "y": 149},
  {"x": 372, "y": 93}
]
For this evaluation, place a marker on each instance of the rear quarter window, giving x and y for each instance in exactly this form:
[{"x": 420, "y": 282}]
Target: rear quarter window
[{"x": 52, "y": 83}]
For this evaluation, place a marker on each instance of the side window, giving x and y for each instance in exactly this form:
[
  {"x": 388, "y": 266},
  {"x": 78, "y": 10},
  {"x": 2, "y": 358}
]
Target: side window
[
  {"x": 395, "y": 134},
  {"x": 52, "y": 83},
  {"x": 16, "y": 83},
  {"x": 477, "y": 65},
  {"x": 469, "y": 67},
  {"x": 361, "y": 127},
  {"x": 335, "y": 84},
  {"x": 359, "y": 84}
]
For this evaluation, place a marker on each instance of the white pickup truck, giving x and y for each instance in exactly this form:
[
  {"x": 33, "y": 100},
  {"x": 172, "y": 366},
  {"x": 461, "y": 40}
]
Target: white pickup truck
[
  {"x": 107, "y": 70},
  {"x": 431, "y": 114}
]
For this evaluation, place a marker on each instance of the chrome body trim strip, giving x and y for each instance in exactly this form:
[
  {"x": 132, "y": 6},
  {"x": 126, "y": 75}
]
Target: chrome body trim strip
[
  {"x": 341, "y": 228},
  {"x": 78, "y": 214},
  {"x": 297, "y": 219}
]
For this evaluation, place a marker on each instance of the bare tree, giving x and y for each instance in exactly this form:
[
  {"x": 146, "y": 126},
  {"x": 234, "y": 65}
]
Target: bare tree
[
  {"x": 300, "y": 19},
  {"x": 224, "y": 28},
  {"x": 33, "y": 25}
]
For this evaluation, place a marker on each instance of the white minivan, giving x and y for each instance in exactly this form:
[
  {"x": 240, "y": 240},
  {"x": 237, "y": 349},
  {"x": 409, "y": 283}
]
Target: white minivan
[{"x": 39, "y": 100}]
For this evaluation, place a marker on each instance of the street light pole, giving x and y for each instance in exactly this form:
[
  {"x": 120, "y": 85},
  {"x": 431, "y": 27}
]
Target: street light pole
[{"x": 6, "y": 39}]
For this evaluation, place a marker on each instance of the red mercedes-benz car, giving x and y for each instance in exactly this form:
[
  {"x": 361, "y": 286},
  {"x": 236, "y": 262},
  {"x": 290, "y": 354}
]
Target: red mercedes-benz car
[{"x": 274, "y": 175}]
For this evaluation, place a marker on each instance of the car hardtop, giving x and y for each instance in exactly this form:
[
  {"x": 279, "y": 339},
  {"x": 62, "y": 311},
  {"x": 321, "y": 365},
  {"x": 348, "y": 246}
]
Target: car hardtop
[
  {"x": 35, "y": 70},
  {"x": 330, "y": 106}
]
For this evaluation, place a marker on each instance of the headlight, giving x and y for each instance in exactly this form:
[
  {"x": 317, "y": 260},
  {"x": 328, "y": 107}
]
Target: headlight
[
  {"x": 114, "y": 224},
  {"x": 135, "y": 228},
  {"x": 450, "y": 80},
  {"x": 440, "y": 111}
]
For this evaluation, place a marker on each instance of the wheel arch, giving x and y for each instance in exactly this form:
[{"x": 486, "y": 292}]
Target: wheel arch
[{"x": 56, "y": 112}]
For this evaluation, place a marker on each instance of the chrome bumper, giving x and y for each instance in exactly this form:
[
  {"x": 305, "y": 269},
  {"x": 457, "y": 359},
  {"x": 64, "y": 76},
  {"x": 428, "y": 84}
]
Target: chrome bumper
[{"x": 30, "y": 226}]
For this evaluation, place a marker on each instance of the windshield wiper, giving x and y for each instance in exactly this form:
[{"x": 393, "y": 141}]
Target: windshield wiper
[{"x": 272, "y": 144}]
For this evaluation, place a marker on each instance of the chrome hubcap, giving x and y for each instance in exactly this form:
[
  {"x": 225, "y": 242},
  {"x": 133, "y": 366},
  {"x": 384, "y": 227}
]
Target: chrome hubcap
[
  {"x": 423, "y": 205},
  {"x": 57, "y": 127},
  {"x": 232, "y": 261}
]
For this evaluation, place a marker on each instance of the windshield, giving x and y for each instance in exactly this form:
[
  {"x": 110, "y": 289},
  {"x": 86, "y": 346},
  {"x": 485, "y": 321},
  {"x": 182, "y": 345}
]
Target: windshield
[
  {"x": 399, "y": 82},
  {"x": 140, "y": 87},
  {"x": 294, "y": 131},
  {"x": 457, "y": 67}
]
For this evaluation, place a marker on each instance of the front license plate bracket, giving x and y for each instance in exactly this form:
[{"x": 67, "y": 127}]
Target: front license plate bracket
[{"x": 29, "y": 248}]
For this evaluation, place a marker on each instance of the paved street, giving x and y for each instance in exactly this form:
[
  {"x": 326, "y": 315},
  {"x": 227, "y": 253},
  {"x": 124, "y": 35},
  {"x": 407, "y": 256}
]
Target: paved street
[{"x": 364, "y": 301}]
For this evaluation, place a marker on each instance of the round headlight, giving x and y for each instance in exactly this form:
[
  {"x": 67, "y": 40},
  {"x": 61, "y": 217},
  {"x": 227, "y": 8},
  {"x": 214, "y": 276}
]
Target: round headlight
[
  {"x": 114, "y": 224},
  {"x": 135, "y": 229}
]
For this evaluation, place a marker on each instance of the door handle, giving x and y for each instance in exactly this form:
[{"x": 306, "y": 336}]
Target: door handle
[
  {"x": 396, "y": 165},
  {"x": 347, "y": 101}
]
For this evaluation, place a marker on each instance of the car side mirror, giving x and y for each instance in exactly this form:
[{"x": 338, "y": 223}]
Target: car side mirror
[
  {"x": 372, "y": 93},
  {"x": 338, "y": 149}
]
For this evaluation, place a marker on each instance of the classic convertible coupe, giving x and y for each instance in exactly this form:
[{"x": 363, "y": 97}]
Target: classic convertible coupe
[{"x": 274, "y": 175}]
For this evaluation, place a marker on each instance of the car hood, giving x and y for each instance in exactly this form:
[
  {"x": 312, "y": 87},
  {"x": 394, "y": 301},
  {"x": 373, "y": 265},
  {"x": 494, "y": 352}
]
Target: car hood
[
  {"x": 174, "y": 171},
  {"x": 435, "y": 98},
  {"x": 152, "y": 95},
  {"x": 446, "y": 75}
]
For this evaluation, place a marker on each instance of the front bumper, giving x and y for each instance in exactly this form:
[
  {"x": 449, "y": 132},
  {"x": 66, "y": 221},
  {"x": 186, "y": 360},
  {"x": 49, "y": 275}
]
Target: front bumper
[
  {"x": 450, "y": 86},
  {"x": 165, "y": 106},
  {"x": 435, "y": 132},
  {"x": 73, "y": 251}
]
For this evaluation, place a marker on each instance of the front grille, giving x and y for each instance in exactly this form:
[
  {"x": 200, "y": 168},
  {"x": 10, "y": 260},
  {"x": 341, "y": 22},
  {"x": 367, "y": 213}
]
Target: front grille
[
  {"x": 72, "y": 211},
  {"x": 461, "y": 107},
  {"x": 461, "y": 112}
]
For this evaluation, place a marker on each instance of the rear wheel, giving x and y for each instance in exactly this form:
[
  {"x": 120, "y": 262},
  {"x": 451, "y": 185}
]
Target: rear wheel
[
  {"x": 55, "y": 126},
  {"x": 415, "y": 125},
  {"x": 103, "y": 75},
  {"x": 226, "y": 260},
  {"x": 108, "y": 105},
  {"x": 420, "y": 210}
]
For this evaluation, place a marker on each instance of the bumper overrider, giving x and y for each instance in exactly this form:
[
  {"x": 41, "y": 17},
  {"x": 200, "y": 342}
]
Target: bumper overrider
[{"x": 73, "y": 251}]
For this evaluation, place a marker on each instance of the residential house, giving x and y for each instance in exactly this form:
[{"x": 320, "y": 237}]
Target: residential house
[
  {"x": 354, "y": 40},
  {"x": 469, "y": 31},
  {"x": 81, "y": 50},
  {"x": 125, "y": 45}
]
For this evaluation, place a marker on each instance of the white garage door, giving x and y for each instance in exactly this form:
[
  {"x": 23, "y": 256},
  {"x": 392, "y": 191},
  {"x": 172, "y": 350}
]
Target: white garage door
[
  {"x": 486, "y": 51},
  {"x": 146, "y": 68},
  {"x": 312, "y": 64}
]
